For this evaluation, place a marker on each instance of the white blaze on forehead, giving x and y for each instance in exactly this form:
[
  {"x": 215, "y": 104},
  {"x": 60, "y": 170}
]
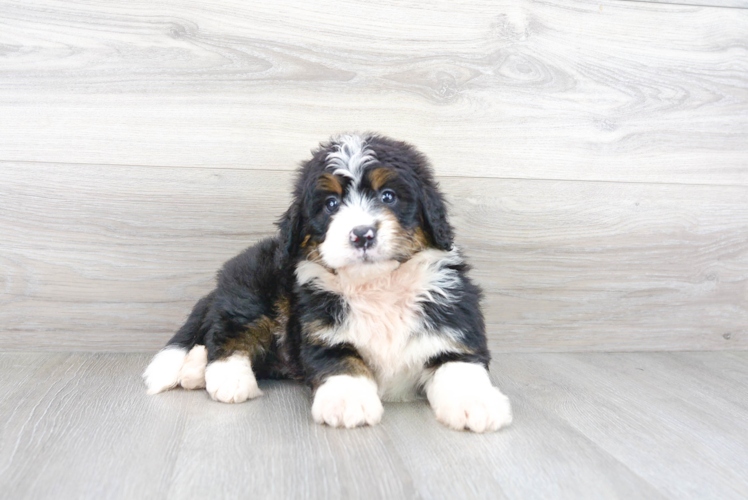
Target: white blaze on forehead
[{"x": 350, "y": 156}]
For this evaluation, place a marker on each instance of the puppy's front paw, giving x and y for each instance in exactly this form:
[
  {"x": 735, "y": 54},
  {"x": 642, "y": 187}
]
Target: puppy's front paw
[
  {"x": 483, "y": 411},
  {"x": 231, "y": 380},
  {"x": 462, "y": 397},
  {"x": 345, "y": 401}
]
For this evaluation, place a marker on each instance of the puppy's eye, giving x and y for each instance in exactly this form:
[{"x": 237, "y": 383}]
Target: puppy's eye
[
  {"x": 332, "y": 204},
  {"x": 388, "y": 196}
]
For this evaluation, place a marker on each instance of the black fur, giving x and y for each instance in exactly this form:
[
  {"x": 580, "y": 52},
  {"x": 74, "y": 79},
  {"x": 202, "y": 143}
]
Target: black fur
[
  {"x": 419, "y": 177},
  {"x": 258, "y": 287}
]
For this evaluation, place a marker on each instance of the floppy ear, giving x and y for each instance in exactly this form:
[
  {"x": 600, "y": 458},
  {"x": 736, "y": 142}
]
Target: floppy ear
[
  {"x": 289, "y": 229},
  {"x": 434, "y": 216}
]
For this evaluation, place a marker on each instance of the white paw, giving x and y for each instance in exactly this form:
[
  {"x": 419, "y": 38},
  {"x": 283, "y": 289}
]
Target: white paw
[
  {"x": 462, "y": 397},
  {"x": 163, "y": 371},
  {"x": 192, "y": 374},
  {"x": 231, "y": 380},
  {"x": 345, "y": 401}
]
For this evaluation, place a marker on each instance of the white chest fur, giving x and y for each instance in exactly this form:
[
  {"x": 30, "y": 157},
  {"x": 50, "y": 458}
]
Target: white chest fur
[{"x": 384, "y": 320}]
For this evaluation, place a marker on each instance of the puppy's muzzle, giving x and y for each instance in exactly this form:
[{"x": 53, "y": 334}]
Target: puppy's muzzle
[{"x": 363, "y": 236}]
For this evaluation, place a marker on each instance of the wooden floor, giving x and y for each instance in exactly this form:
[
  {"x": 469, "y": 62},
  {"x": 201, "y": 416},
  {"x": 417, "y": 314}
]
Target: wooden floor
[{"x": 653, "y": 425}]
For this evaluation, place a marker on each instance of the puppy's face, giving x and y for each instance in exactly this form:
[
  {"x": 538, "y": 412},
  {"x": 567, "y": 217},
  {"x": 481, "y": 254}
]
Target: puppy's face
[
  {"x": 368, "y": 210},
  {"x": 366, "y": 199}
]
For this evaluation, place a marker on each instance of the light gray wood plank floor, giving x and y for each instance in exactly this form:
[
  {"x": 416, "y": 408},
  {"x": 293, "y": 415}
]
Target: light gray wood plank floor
[{"x": 595, "y": 425}]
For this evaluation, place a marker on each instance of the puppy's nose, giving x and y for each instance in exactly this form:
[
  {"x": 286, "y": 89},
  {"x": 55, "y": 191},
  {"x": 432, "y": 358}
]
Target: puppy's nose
[{"x": 363, "y": 236}]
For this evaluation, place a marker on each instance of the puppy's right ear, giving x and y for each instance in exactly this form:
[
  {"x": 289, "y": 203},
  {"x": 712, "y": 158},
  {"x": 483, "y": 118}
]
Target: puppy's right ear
[
  {"x": 291, "y": 225},
  {"x": 289, "y": 228}
]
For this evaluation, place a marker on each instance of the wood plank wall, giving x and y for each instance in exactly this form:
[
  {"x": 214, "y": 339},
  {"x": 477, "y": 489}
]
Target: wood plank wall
[{"x": 595, "y": 154}]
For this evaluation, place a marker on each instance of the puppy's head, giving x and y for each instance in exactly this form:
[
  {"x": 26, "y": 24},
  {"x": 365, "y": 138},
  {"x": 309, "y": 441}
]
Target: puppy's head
[{"x": 364, "y": 199}]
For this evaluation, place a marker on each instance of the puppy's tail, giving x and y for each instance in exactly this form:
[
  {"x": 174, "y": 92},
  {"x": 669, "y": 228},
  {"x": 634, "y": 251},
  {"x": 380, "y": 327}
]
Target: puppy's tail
[{"x": 182, "y": 361}]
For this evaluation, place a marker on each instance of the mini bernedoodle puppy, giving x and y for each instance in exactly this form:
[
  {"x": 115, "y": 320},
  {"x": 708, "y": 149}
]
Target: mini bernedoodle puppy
[{"x": 362, "y": 295}]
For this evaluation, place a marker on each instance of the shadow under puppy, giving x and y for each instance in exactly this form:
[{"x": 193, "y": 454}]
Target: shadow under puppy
[{"x": 362, "y": 295}]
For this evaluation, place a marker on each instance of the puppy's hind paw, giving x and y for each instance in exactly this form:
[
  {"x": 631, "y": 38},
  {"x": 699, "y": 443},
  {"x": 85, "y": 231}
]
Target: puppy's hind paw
[
  {"x": 192, "y": 374},
  {"x": 162, "y": 373},
  {"x": 345, "y": 401},
  {"x": 231, "y": 380}
]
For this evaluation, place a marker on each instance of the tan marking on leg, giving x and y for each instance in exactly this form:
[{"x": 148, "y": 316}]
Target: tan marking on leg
[{"x": 257, "y": 338}]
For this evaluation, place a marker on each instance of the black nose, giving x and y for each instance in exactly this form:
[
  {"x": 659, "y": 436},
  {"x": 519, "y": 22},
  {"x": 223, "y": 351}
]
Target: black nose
[{"x": 363, "y": 236}]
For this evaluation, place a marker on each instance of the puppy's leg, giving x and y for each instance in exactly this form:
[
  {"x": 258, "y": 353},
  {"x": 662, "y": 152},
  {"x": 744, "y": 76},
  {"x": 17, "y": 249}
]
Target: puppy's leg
[
  {"x": 174, "y": 366},
  {"x": 181, "y": 362},
  {"x": 162, "y": 372},
  {"x": 462, "y": 397},
  {"x": 192, "y": 374},
  {"x": 345, "y": 393},
  {"x": 229, "y": 377}
]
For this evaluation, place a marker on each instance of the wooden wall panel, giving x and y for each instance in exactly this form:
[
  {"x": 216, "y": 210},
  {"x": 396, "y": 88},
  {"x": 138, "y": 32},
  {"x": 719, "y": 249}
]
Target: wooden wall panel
[
  {"x": 732, "y": 4},
  {"x": 112, "y": 258},
  {"x": 596, "y": 154},
  {"x": 580, "y": 90}
]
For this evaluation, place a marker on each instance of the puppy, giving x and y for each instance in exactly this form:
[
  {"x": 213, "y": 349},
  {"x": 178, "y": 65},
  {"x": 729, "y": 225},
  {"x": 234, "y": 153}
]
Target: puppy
[{"x": 362, "y": 295}]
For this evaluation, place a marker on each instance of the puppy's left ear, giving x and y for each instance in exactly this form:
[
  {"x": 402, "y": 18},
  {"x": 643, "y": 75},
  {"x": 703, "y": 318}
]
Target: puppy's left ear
[
  {"x": 289, "y": 229},
  {"x": 434, "y": 216}
]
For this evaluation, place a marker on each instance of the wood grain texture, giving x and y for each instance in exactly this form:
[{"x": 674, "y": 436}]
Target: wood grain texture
[
  {"x": 113, "y": 258},
  {"x": 733, "y": 4},
  {"x": 590, "y": 90},
  {"x": 658, "y": 425},
  {"x": 646, "y": 411}
]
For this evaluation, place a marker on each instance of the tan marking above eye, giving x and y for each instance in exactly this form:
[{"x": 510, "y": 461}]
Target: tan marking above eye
[
  {"x": 379, "y": 176},
  {"x": 328, "y": 182}
]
